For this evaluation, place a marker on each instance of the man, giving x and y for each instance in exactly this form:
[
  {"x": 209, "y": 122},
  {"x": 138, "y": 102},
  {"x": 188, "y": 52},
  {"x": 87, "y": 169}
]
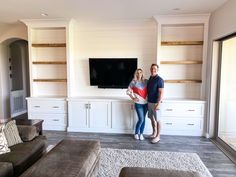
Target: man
[{"x": 155, "y": 88}]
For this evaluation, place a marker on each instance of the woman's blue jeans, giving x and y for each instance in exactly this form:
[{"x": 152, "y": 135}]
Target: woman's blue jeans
[{"x": 141, "y": 110}]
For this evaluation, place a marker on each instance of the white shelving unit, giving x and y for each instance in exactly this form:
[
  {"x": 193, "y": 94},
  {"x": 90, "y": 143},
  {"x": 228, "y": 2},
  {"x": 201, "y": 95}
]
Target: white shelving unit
[
  {"x": 48, "y": 58},
  {"x": 181, "y": 55},
  {"x": 49, "y": 55}
]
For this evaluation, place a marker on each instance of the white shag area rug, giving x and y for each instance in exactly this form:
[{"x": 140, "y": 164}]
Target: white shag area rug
[{"x": 113, "y": 160}]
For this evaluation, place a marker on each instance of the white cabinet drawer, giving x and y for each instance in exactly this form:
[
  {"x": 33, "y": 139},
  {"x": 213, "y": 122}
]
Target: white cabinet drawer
[
  {"x": 181, "y": 124},
  {"x": 51, "y": 119},
  {"x": 50, "y": 106},
  {"x": 182, "y": 110}
]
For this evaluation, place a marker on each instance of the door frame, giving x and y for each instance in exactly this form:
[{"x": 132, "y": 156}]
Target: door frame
[{"x": 228, "y": 150}]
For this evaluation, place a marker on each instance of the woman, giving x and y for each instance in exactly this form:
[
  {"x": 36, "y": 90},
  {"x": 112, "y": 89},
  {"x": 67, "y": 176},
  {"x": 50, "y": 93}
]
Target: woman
[{"x": 137, "y": 91}]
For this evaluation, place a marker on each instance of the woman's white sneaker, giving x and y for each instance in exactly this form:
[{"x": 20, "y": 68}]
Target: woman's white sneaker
[
  {"x": 136, "y": 137},
  {"x": 141, "y": 137}
]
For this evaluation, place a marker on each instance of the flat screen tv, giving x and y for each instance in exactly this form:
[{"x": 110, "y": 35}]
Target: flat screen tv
[{"x": 111, "y": 72}]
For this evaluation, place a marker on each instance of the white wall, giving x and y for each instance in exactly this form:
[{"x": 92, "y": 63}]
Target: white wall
[
  {"x": 3, "y": 28},
  {"x": 18, "y": 30},
  {"x": 222, "y": 23},
  {"x": 134, "y": 39},
  {"x": 4, "y": 83}
]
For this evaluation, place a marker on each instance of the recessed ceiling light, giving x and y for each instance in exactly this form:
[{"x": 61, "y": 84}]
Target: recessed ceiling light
[
  {"x": 176, "y": 9},
  {"x": 44, "y": 14}
]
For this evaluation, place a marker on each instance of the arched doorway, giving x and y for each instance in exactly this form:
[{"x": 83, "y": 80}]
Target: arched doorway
[{"x": 15, "y": 77}]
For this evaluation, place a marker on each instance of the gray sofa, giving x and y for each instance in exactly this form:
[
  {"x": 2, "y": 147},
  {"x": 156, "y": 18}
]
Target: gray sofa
[{"x": 22, "y": 155}]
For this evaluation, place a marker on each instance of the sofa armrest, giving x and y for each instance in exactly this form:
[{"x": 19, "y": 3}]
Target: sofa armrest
[
  {"x": 6, "y": 169},
  {"x": 27, "y": 132}
]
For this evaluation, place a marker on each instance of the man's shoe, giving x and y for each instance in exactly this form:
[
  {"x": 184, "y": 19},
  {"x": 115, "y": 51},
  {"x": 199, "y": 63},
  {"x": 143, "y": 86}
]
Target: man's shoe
[
  {"x": 155, "y": 140},
  {"x": 136, "y": 137},
  {"x": 141, "y": 137},
  {"x": 151, "y": 136}
]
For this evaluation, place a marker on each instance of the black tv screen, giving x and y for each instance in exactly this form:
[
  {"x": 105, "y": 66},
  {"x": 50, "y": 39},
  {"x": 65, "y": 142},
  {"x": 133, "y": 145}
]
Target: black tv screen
[{"x": 112, "y": 72}]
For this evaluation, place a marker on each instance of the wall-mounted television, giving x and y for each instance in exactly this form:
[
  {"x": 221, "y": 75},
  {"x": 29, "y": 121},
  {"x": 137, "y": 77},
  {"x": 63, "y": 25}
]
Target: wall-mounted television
[{"x": 111, "y": 72}]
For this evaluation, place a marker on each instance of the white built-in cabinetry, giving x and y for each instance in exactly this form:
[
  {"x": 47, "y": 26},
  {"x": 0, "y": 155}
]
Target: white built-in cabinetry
[
  {"x": 181, "y": 54},
  {"x": 89, "y": 115},
  {"x": 49, "y": 51},
  {"x": 123, "y": 116},
  {"x": 116, "y": 115},
  {"x": 52, "y": 110},
  {"x": 182, "y": 117},
  {"x": 100, "y": 115}
]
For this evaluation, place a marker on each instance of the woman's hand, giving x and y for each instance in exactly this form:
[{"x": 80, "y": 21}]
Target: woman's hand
[{"x": 136, "y": 99}]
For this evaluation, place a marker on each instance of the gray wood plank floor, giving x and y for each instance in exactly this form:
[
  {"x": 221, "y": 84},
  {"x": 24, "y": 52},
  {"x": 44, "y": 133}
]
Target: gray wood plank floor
[{"x": 218, "y": 164}]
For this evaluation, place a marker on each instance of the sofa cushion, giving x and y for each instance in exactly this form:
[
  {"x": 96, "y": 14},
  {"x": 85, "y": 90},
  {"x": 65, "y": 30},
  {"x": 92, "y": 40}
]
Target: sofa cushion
[
  {"x": 155, "y": 172},
  {"x": 6, "y": 169},
  {"x": 12, "y": 134},
  {"x": 27, "y": 132},
  {"x": 69, "y": 158},
  {"x": 23, "y": 155},
  {"x": 3, "y": 142}
]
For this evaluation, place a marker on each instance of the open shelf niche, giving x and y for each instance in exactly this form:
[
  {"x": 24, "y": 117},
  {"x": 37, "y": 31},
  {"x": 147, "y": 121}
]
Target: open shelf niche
[
  {"x": 181, "y": 54},
  {"x": 48, "y": 57}
]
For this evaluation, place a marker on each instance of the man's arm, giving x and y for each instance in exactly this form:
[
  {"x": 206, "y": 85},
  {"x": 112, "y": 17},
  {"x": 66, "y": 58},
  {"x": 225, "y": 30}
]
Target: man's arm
[{"x": 161, "y": 94}]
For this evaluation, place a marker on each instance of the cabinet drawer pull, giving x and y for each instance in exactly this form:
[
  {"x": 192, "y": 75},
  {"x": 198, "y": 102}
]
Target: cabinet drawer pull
[
  {"x": 55, "y": 107},
  {"x": 88, "y": 106},
  {"x": 56, "y": 120},
  {"x": 168, "y": 123},
  {"x": 190, "y": 124},
  {"x": 169, "y": 109},
  {"x": 37, "y": 106},
  {"x": 191, "y": 110}
]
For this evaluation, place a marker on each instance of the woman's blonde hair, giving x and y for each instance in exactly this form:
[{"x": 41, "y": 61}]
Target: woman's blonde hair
[{"x": 135, "y": 74}]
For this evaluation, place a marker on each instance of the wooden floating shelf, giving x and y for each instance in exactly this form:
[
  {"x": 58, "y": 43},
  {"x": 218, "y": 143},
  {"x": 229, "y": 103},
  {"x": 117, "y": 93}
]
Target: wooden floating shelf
[
  {"x": 49, "y": 62},
  {"x": 182, "y": 62},
  {"x": 184, "y": 81},
  {"x": 50, "y": 80},
  {"x": 181, "y": 43},
  {"x": 49, "y": 45}
]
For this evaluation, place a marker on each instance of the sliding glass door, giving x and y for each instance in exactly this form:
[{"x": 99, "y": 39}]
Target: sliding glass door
[{"x": 227, "y": 93}]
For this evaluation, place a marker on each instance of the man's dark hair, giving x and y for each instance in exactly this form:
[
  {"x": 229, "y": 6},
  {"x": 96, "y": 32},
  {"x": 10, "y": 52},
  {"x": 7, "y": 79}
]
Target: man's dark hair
[{"x": 154, "y": 65}]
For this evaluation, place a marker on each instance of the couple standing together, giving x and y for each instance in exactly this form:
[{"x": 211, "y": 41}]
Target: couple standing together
[{"x": 147, "y": 96}]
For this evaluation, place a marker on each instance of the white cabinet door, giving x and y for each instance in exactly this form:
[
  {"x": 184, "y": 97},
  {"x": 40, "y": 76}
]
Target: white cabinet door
[
  {"x": 100, "y": 115},
  {"x": 78, "y": 115},
  {"x": 122, "y": 117}
]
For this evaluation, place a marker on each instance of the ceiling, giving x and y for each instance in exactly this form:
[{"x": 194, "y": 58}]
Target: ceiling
[{"x": 13, "y": 10}]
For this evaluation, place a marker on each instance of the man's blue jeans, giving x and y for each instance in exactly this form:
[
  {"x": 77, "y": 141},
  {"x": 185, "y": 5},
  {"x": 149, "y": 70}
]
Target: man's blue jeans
[{"x": 141, "y": 110}]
